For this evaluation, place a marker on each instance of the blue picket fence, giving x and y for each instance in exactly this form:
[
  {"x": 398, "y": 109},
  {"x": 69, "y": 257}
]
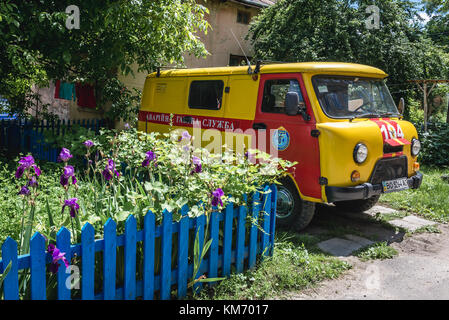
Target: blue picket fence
[
  {"x": 236, "y": 242},
  {"x": 28, "y": 136}
]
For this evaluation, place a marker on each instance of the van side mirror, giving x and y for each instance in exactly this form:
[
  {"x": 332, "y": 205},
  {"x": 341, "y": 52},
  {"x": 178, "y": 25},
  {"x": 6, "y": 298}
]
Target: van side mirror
[
  {"x": 401, "y": 106},
  {"x": 292, "y": 107},
  {"x": 292, "y": 103}
]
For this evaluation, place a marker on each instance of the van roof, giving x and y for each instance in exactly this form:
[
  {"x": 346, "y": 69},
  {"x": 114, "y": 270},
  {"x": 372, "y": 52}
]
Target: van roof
[{"x": 337, "y": 68}]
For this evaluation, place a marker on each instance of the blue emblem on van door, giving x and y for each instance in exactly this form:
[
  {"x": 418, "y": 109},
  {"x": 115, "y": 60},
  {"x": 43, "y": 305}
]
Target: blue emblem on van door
[{"x": 281, "y": 139}]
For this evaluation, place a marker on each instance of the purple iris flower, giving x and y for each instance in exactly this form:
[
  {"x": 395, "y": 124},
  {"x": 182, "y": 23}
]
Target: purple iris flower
[
  {"x": 65, "y": 155},
  {"x": 150, "y": 156},
  {"x": 109, "y": 171},
  {"x": 56, "y": 256},
  {"x": 24, "y": 191},
  {"x": 216, "y": 197},
  {"x": 19, "y": 172},
  {"x": 33, "y": 182},
  {"x": 185, "y": 136},
  {"x": 26, "y": 163},
  {"x": 127, "y": 126},
  {"x": 198, "y": 167},
  {"x": 69, "y": 172},
  {"x": 88, "y": 143},
  {"x": 74, "y": 207}
]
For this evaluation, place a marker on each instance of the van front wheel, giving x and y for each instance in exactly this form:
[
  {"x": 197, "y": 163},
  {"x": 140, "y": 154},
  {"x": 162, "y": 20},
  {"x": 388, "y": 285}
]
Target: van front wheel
[
  {"x": 357, "y": 205},
  {"x": 291, "y": 210}
]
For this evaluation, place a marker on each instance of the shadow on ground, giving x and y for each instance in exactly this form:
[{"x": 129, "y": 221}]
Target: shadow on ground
[{"x": 331, "y": 222}]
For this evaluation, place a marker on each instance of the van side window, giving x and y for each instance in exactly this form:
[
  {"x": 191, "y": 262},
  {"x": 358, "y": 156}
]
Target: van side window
[
  {"x": 274, "y": 94},
  {"x": 206, "y": 94}
]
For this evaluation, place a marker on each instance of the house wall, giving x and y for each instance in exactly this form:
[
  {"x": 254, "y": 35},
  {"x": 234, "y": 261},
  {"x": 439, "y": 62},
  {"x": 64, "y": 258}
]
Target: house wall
[{"x": 219, "y": 41}]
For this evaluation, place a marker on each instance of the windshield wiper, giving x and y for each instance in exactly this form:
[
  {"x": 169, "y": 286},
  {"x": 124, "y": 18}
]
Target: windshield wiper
[
  {"x": 389, "y": 114},
  {"x": 365, "y": 115}
]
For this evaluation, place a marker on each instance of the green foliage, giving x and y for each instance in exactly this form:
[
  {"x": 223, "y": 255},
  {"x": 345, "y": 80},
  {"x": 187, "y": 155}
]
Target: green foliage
[
  {"x": 36, "y": 46},
  {"x": 430, "y": 200},
  {"x": 377, "y": 251},
  {"x": 335, "y": 30},
  {"x": 167, "y": 183},
  {"x": 292, "y": 267},
  {"x": 435, "y": 144}
]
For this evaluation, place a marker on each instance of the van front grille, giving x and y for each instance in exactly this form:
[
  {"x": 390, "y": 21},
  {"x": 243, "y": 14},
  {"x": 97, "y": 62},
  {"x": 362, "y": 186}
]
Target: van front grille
[
  {"x": 389, "y": 169},
  {"x": 391, "y": 149}
]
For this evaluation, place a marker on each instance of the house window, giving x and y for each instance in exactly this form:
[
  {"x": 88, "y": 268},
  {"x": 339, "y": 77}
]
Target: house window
[
  {"x": 275, "y": 92},
  {"x": 235, "y": 60},
  {"x": 243, "y": 17},
  {"x": 206, "y": 94}
]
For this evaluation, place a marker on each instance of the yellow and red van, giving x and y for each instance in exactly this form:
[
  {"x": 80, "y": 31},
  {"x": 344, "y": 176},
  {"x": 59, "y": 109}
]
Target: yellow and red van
[{"x": 337, "y": 120}]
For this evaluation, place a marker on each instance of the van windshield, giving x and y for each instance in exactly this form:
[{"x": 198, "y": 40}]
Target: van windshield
[{"x": 352, "y": 97}]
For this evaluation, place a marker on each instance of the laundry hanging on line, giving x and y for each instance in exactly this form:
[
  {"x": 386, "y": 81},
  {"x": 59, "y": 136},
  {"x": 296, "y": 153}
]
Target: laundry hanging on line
[
  {"x": 85, "y": 94},
  {"x": 65, "y": 90}
]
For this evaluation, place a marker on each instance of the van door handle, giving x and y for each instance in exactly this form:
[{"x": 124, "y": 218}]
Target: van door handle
[
  {"x": 259, "y": 126},
  {"x": 187, "y": 119}
]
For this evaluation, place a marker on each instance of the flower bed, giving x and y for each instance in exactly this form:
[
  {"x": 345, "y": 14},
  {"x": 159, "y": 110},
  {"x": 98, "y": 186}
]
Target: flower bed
[{"x": 131, "y": 173}]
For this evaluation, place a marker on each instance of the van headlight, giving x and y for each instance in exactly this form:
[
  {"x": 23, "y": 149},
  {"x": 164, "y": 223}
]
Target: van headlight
[
  {"x": 416, "y": 147},
  {"x": 360, "y": 153}
]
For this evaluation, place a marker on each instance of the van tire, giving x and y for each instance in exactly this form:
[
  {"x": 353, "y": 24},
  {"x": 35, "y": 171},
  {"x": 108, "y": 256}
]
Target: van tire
[
  {"x": 357, "y": 206},
  {"x": 297, "y": 213}
]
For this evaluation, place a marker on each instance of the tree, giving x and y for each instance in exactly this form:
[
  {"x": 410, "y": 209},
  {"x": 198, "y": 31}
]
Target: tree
[
  {"x": 335, "y": 30},
  {"x": 36, "y": 45}
]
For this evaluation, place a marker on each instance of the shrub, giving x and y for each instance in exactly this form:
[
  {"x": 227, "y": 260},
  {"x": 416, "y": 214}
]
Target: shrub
[{"x": 435, "y": 144}]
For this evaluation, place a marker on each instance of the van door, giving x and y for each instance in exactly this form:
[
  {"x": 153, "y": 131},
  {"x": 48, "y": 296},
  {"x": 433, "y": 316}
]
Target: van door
[{"x": 290, "y": 136}]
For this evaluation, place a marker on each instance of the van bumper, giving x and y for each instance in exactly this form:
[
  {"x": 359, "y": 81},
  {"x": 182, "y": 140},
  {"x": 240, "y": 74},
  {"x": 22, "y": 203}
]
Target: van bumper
[{"x": 366, "y": 190}]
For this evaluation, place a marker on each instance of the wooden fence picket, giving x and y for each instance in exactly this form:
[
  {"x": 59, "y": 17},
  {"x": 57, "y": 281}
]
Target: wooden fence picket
[
  {"x": 183, "y": 252},
  {"x": 253, "y": 231},
  {"x": 63, "y": 244},
  {"x": 130, "y": 258},
  {"x": 88, "y": 262},
  {"x": 240, "y": 238},
  {"x": 38, "y": 267},
  {"x": 11, "y": 282},
  {"x": 148, "y": 255},
  {"x": 213, "y": 250},
  {"x": 199, "y": 232},
  {"x": 227, "y": 239},
  {"x": 265, "y": 234},
  {"x": 166, "y": 250},
  {"x": 109, "y": 259}
]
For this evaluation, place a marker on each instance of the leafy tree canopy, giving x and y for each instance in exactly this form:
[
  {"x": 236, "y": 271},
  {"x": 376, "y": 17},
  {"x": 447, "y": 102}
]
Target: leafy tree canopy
[
  {"x": 335, "y": 30},
  {"x": 36, "y": 45}
]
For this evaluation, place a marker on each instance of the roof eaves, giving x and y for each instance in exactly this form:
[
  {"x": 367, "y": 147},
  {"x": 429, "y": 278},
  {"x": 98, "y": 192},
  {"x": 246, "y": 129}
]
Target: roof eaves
[{"x": 255, "y": 3}]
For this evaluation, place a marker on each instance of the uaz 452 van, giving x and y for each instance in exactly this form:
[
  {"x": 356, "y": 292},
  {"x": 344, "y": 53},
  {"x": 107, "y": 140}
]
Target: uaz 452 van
[{"x": 338, "y": 121}]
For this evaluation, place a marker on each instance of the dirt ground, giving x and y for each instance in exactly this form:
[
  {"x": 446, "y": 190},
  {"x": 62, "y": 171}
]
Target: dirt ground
[{"x": 419, "y": 271}]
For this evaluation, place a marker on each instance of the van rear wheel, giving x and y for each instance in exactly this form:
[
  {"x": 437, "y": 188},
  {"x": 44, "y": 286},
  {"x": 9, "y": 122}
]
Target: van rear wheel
[
  {"x": 291, "y": 211},
  {"x": 357, "y": 205}
]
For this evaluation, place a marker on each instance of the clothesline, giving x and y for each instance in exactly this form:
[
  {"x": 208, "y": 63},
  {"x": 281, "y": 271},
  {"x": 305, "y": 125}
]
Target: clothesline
[{"x": 83, "y": 94}]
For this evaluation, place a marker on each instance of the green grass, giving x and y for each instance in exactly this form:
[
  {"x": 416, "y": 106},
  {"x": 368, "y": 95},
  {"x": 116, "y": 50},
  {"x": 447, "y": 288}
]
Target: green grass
[
  {"x": 293, "y": 266},
  {"x": 377, "y": 251},
  {"x": 431, "y": 200}
]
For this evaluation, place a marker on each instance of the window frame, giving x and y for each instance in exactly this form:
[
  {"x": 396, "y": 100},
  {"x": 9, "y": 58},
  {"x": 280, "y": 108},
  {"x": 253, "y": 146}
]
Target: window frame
[
  {"x": 201, "y": 107},
  {"x": 277, "y": 79}
]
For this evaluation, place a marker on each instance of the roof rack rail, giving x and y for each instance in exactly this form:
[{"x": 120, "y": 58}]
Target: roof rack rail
[
  {"x": 272, "y": 61},
  {"x": 158, "y": 69}
]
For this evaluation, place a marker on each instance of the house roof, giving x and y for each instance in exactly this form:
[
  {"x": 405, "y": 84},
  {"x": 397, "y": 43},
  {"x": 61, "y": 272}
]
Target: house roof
[{"x": 256, "y": 3}]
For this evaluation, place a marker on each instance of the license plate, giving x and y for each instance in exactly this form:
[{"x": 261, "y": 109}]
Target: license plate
[{"x": 395, "y": 185}]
